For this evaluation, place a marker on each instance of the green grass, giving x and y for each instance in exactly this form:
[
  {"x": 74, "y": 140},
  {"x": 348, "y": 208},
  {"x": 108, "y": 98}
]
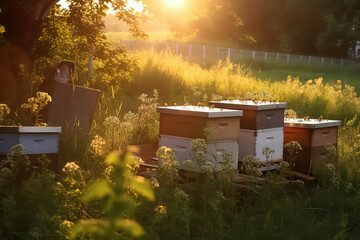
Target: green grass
[
  {"x": 279, "y": 72},
  {"x": 173, "y": 78},
  {"x": 266, "y": 71}
]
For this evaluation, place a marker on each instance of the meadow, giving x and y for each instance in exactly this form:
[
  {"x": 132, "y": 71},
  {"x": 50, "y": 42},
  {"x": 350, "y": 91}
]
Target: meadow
[
  {"x": 97, "y": 195},
  {"x": 271, "y": 70}
]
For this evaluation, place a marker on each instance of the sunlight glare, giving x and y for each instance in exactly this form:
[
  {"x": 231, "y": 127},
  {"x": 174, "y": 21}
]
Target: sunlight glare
[{"x": 174, "y": 3}]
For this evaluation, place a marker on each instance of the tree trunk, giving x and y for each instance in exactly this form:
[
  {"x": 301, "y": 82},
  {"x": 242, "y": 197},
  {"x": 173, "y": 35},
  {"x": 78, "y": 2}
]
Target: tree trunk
[{"x": 23, "y": 21}]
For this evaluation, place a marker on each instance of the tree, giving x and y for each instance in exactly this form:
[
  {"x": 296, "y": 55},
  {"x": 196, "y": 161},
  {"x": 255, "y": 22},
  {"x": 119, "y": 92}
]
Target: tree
[{"x": 23, "y": 21}]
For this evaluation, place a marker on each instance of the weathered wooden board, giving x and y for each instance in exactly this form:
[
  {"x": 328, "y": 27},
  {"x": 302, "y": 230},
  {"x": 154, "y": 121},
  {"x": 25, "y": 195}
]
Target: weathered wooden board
[{"x": 71, "y": 105}]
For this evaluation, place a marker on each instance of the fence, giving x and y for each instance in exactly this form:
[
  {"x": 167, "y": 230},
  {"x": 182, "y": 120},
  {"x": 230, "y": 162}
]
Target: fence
[{"x": 195, "y": 52}]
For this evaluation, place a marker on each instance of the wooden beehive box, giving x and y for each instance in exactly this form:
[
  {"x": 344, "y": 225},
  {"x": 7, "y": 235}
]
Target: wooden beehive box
[
  {"x": 254, "y": 142},
  {"x": 213, "y": 153},
  {"x": 36, "y": 140},
  {"x": 256, "y": 116},
  {"x": 199, "y": 122},
  {"x": 313, "y": 136},
  {"x": 180, "y": 125}
]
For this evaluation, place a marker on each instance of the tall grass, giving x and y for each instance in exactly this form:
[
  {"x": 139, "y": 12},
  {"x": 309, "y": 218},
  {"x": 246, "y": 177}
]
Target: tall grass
[{"x": 174, "y": 77}]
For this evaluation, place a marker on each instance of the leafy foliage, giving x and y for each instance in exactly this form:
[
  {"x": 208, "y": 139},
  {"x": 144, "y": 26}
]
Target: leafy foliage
[{"x": 116, "y": 202}]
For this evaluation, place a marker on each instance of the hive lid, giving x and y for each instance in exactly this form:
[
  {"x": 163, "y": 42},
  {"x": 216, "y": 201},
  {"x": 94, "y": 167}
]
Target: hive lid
[
  {"x": 248, "y": 105},
  {"x": 311, "y": 123},
  {"x": 204, "y": 112},
  {"x": 16, "y": 129}
]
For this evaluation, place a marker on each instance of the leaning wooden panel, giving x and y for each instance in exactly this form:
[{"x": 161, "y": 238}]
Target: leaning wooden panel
[{"x": 72, "y": 105}]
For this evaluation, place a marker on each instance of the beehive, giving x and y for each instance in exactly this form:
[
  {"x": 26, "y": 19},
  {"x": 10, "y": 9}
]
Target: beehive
[
  {"x": 256, "y": 116},
  {"x": 213, "y": 153},
  {"x": 256, "y": 142},
  {"x": 36, "y": 140},
  {"x": 180, "y": 125},
  {"x": 313, "y": 136},
  {"x": 261, "y": 128}
]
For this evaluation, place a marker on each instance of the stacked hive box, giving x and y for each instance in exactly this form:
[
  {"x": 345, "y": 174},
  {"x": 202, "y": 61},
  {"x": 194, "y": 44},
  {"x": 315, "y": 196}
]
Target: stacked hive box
[
  {"x": 313, "y": 136},
  {"x": 262, "y": 127},
  {"x": 36, "y": 140},
  {"x": 180, "y": 125}
]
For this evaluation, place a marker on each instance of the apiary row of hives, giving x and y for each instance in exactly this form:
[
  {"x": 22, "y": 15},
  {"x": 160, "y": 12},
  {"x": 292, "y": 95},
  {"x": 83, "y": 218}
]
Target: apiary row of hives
[{"x": 246, "y": 128}]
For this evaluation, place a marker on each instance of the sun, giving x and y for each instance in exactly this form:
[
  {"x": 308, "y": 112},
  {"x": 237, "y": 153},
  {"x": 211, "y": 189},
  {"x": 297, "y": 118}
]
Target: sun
[{"x": 174, "y": 3}]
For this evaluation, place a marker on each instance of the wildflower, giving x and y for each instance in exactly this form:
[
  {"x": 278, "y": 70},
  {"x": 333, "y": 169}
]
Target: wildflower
[
  {"x": 154, "y": 182},
  {"x": 67, "y": 224},
  {"x": 250, "y": 165},
  {"x": 4, "y": 110},
  {"x": 97, "y": 145},
  {"x": 207, "y": 167},
  {"x": 188, "y": 164},
  {"x": 71, "y": 167},
  {"x": 111, "y": 121},
  {"x": 160, "y": 209},
  {"x": 198, "y": 145}
]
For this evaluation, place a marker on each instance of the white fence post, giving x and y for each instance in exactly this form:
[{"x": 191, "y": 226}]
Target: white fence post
[
  {"x": 309, "y": 59},
  {"x": 322, "y": 61},
  {"x": 90, "y": 65},
  {"x": 189, "y": 51},
  {"x": 253, "y": 55},
  {"x": 288, "y": 59},
  {"x": 265, "y": 57},
  {"x": 229, "y": 53},
  {"x": 277, "y": 57},
  {"x": 204, "y": 52},
  {"x": 342, "y": 62}
]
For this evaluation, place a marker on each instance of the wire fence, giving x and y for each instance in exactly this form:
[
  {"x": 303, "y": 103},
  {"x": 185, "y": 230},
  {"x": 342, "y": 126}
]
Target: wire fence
[{"x": 206, "y": 53}]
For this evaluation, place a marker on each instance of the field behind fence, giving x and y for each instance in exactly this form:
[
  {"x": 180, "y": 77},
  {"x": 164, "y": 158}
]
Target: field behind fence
[{"x": 208, "y": 54}]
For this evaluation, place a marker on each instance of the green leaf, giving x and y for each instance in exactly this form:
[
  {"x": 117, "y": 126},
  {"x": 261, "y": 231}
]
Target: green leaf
[
  {"x": 144, "y": 188},
  {"x": 98, "y": 189},
  {"x": 112, "y": 158},
  {"x": 93, "y": 226},
  {"x": 131, "y": 226}
]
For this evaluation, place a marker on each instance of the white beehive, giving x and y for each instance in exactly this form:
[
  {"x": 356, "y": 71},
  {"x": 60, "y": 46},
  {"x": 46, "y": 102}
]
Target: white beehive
[
  {"x": 213, "y": 153},
  {"x": 254, "y": 142},
  {"x": 37, "y": 140}
]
